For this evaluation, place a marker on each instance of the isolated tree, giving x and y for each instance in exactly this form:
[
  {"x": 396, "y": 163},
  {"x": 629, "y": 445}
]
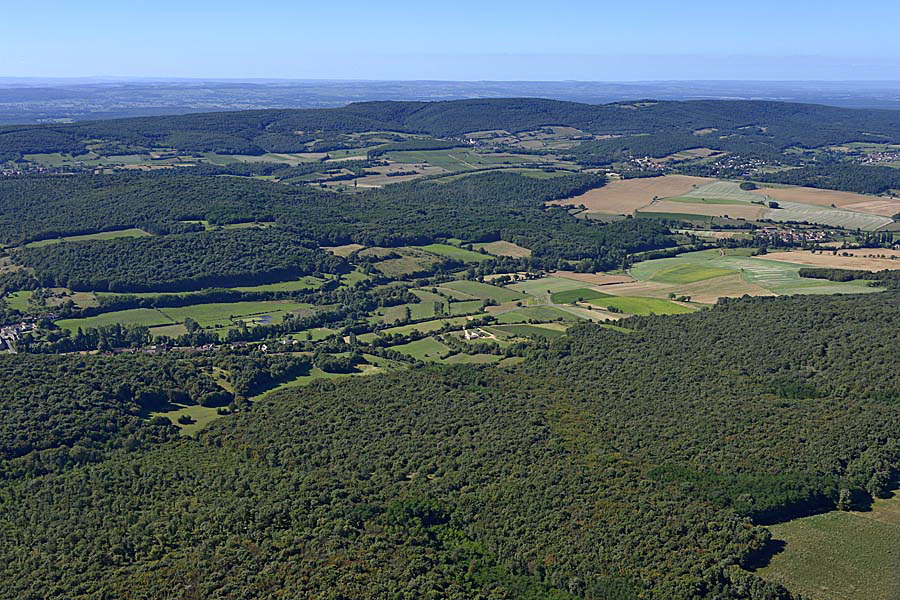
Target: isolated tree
[{"x": 845, "y": 500}]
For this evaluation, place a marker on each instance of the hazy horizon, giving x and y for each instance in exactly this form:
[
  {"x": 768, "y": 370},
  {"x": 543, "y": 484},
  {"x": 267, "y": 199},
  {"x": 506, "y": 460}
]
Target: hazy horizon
[{"x": 499, "y": 41}]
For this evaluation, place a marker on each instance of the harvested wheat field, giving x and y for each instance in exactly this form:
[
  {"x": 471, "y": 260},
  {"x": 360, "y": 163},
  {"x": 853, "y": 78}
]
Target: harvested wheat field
[
  {"x": 887, "y": 207},
  {"x": 817, "y": 197},
  {"x": 593, "y": 278},
  {"x": 727, "y": 286},
  {"x": 705, "y": 292},
  {"x": 862, "y": 259},
  {"x": 735, "y": 211},
  {"x": 625, "y": 196}
]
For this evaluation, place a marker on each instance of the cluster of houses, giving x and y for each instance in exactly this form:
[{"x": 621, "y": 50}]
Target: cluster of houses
[
  {"x": 874, "y": 158},
  {"x": 774, "y": 235},
  {"x": 11, "y": 334}
]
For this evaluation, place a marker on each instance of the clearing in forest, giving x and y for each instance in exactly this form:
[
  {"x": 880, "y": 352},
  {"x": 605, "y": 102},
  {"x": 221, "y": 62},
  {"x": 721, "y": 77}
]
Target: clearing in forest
[
  {"x": 105, "y": 235},
  {"x": 502, "y": 248},
  {"x": 840, "y": 555}
]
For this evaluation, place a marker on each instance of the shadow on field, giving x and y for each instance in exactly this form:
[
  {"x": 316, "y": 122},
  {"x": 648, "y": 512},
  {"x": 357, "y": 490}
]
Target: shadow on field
[{"x": 762, "y": 557}]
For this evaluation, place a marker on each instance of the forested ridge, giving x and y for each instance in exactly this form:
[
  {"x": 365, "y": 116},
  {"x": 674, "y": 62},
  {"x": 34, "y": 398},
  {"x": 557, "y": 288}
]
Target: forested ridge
[
  {"x": 485, "y": 207},
  {"x": 181, "y": 262},
  {"x": 608, "y": 465},
  {"x": 261, "y": 131}
]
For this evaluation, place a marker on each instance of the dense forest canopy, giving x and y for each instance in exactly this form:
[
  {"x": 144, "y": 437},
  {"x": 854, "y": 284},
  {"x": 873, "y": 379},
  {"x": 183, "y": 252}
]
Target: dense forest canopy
[
  {"x": 257, "y": 132},
  {"x": 608, "y": 465},
  {"x": 181, "y": 262},
  {"x": 483, "y": 207}
]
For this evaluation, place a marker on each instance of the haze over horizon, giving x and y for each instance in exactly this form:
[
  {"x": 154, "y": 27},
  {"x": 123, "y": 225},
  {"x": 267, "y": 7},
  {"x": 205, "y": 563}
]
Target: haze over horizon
[{"x": 499, "y": 41}]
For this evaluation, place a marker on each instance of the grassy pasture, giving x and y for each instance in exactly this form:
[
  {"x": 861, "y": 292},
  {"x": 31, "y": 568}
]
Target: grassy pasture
[
  {"x": 527, "y": 331},
  {"x": 168, "y": 330},
  {"x": 423, "y": 327},
  {"x": 105, "y": 235},
  {"x": 545, "y": 285},
  {"x": 19, "y": 300},
  {"x": 206, "y": 315},
  {"x": 427, "y": 349},
  {"x": 298, "y": 285},
  {"x": 315, "y": 334},
  {"x": 535, "y": 313},
  {"x": 503, "y": 248},
  {"x": 472, "y": 359},
  {"x": 690, "y": 273},
  {"x": 636, "y": 305},
  {"x": 353, "y": 277},
  {"x": 134, "y": 316},
  {"x": 569, "y": 296},
  {"x": 484, "y": 291},
  {"x": 202, "y": 416},
  {"x": 466, "y": 307},
  {"x": 317, "y": 373},
  {"x": 458, "y": 159},
  {"x": 779, "y": 277},
  {"x": 841, "y": 555},
  {"x": 219, "y": 313},
  {"x": 411, "y": 260},
  {"x": 455, "y": 253}
]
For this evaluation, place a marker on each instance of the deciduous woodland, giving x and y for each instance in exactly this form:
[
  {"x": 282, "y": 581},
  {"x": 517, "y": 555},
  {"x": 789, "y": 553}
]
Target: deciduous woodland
[{"x": 607, "y": 465}]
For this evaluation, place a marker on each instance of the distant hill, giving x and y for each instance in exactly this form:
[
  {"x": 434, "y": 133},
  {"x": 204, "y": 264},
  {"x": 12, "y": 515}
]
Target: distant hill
[{"x": 772, "y": 125}]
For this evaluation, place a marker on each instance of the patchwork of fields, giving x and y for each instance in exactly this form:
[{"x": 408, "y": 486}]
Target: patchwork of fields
[
  {"x": 773, "y": 276},
  {"x": 683, "y": 197}
]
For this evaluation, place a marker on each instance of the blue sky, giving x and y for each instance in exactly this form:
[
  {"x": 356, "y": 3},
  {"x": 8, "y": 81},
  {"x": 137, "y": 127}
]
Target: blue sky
[{"x": 459, "y": 40}]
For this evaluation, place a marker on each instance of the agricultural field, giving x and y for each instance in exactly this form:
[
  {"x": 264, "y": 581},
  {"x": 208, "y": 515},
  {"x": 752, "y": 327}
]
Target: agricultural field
[
  {"x": 535, "y": 313},
  {"x": 840, "y": 555},
  {"x": 472, "y": 359},
  {"x": 206, "y": 315},
  {"x": 460, "y": 159},
  {"x": 693, "y": 198},
  {"x": 134, "y": 316},
  {"x": 626, "y": 196},
  {"x": 635, "y": 305},
  {"x": 863, "y": 259},
  {"x": 455, "y": 253},
  {"x": 528, "y": 331},
  {"x": 423, "y": 327},
  {"x": 828, "y": 198},
  {"x": 223, "y": 313},
  {"x": 545, "y": 285},
  {"x": 577, "y": 295},
  {"x": 484, "y": 291},
  {"x": 702, "y": 271},
  {"x": 427, "y": 349},
  {"x": 298, "y": 285},
  {"x": 315, "y": 334}
]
